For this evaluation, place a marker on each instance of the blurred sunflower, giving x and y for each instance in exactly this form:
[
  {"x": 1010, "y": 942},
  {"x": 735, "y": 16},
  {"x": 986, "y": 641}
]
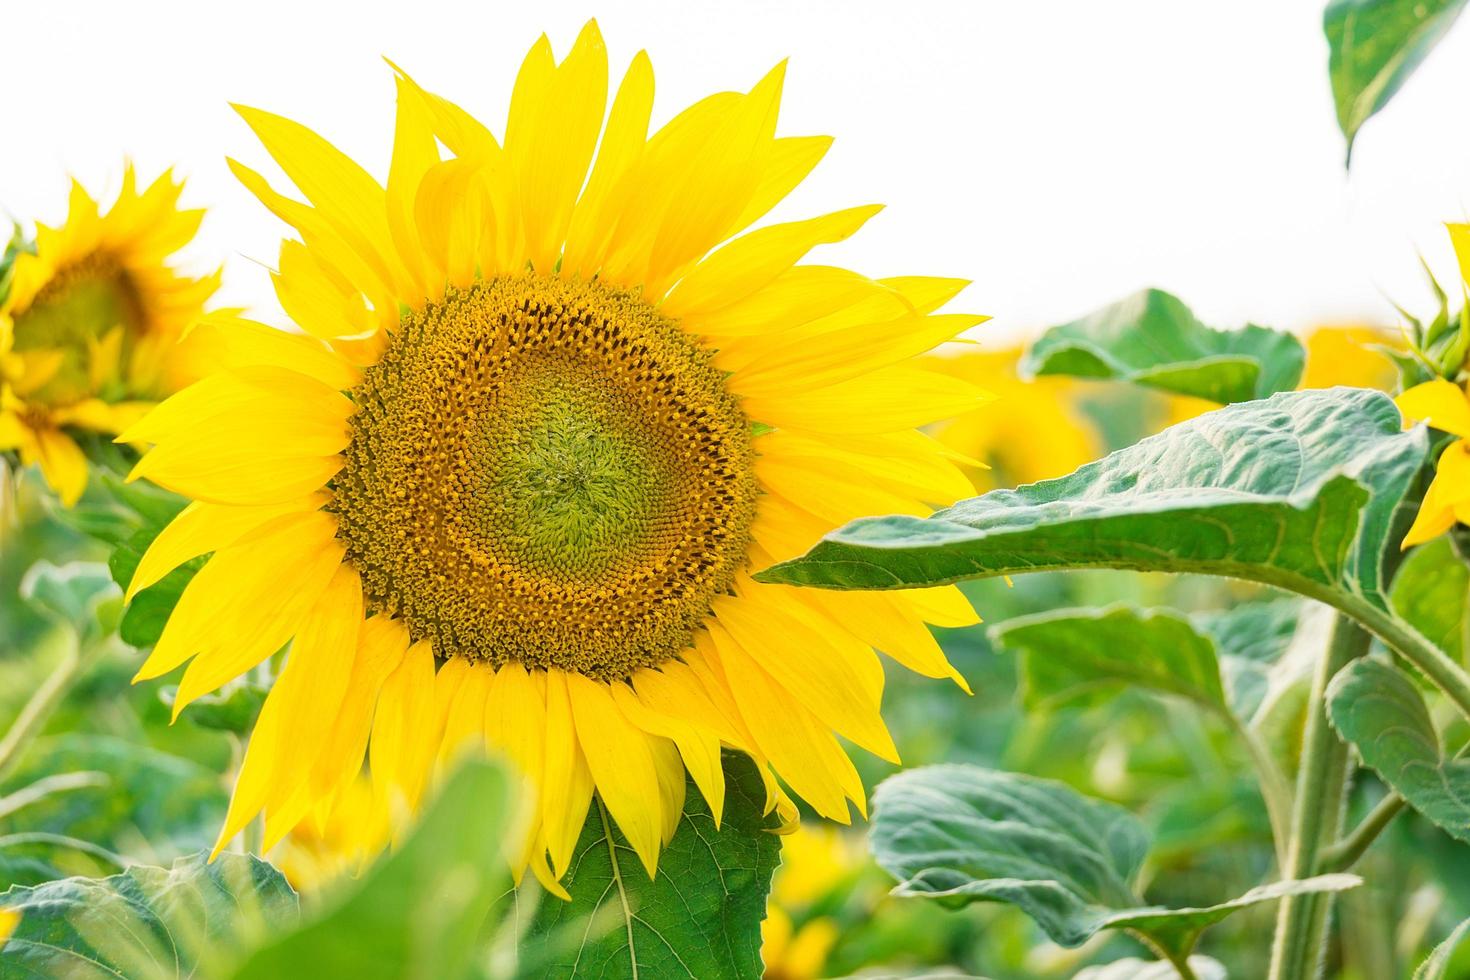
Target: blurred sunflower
[
  {"x": 89, "y": 322},
  {"x": 508, "y": 488},
  {"x": 815, "y": 862},
  {"x": 328, "y": 844},
  {"x": 1039, "y": 435}
]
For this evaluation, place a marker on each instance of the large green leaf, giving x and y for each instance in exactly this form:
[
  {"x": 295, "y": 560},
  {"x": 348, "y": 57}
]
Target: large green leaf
[
  {"x": 1436, "y": 966},
  {"x": 1299, "y": 491},
  {"x": 1222, "y": 660},
  {"x": 1374, "y": 46},
  {"x": 965, "y": 834},
  {"x": 420, "y": 912},
  {"x": 700, "y": 917},
  {"x": 1432, "y": 591},
  {"x": 1379, "y": 709},
  {"x": 1152, "y": 339},
  {"x": 146, "y": 923},
  {"x": 1070, "y": 651}
]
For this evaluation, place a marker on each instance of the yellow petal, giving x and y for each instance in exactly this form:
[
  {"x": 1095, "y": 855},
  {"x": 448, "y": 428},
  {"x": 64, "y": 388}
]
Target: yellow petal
[
  {"x": 834, "y": 675},
  {"x": 752, "y": 262},
  {"x": 404, "y": 725},
  {"x": 297, "y": 715},
  {"x": 1438, "y": 402},
  {"x": 622, "y": 765},
  {"x": 62, "y": 464},
  {"x": 555, "y": 117},
  {"x": 596, "y": 213},
  {"x": 566, "y": 791},
  {"x": 199, "y": 529},
  {"x": 699, "y": 747}
]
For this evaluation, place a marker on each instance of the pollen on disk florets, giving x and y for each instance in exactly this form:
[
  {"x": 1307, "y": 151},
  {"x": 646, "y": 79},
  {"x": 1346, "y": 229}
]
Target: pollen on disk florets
[{"x": 547, "y": 472}]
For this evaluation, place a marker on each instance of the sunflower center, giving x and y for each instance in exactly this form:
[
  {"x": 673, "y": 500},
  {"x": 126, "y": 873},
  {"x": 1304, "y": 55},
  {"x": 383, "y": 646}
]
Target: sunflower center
[
  {"x": 78, "y": 331},
  {"x": 546, "y": 472}
]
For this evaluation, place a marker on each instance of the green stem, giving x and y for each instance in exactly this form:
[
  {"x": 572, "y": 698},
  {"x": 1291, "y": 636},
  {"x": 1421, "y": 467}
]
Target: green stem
[
  {"x": 1276, "y": 792},
  {"x": 1301, "y": 919},
  {"x": 1346, "y": 852},
  {"x": 39, "y": 708},
  {"x": 1410, "y": 644}
]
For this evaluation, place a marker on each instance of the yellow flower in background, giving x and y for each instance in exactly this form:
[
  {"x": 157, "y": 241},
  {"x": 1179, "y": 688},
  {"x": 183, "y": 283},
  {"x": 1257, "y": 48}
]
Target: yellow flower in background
[
  {"x": 508, "y": 488},
  {"x": 89, "y": 322},
  {"x": 329, "y": 844},
  {"x": 1340, "y": 354},
  {"x": 1039, "y": 432},
  {"x": 1344, "y": 355},
  {"x": 1443, "y": 405},
  {"x": 815, "y": 861},
  {"x": 9, "y": 919}
]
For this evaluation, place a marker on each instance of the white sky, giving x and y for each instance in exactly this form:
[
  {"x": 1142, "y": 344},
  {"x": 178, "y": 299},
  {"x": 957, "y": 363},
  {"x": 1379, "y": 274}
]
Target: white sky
[{"x": 1061, "y": 153}]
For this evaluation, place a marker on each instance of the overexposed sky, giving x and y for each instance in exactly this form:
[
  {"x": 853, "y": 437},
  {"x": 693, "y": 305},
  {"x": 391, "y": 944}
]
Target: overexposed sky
[{"x": 1060, "y": 153}]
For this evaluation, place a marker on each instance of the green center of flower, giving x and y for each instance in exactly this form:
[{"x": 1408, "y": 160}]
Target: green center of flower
[
  {"x": 77, "y": 333},
  {"x": 546, "y": 472}
]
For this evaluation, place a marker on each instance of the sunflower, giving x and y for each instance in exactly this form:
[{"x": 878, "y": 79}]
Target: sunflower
[
  {"x": 547, "y": 416},
  {"x": 89, "y": 323}
]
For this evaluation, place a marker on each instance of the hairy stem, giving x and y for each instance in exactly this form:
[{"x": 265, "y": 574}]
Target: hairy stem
[
  {"x": 1301, "y": 920},
  {"x": 38, "y": 709},
  {"x": 1410, "y": 644},
  {"x": 1276, "y": 792},
  {"x": 1346, "y": 852}
]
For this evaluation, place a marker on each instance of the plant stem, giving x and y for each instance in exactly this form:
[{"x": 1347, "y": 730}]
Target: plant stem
[
  {"x": 1276, "y": 792},
  {"x": 1410, "y": 644},
  {"x": 1301, "y": 920},
  {"x": 38, "y": 709},
  {"x": 1346, "y": 852}
]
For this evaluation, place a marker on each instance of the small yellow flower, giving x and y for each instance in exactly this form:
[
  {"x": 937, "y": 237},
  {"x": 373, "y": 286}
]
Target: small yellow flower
[
  {"x": 551, "y": 404},
  {"x": 89, "y": 323},
  {"x": 815, "y": 861},
  {"x": 337, "y": 838},
  {"x": 1443, "y": 405},
  {"x": 790, "y": 953},
  {"x": 1035, "y": 432}
]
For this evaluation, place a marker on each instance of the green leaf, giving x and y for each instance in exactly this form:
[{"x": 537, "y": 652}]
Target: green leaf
[
  {"x": 965, "y": 834},
  {"x": 1375, "y": 45},
  {"x": 147, "y": 922},
  {"x": 700, "y": 917},
  {"x": 73, "y": 594},
  {"x": 419, "y": 912},
  {"x": 233, "y": 708},
  {"x": 1431, "y": 591},
  {"x": 1379, "y": 709},
  {"x": 144, "y": 618},
  {"x": 1152, "y": 339},
  {"x": 138, "y": 795},
  {"x": 1298, "y": 491},
  {"x": 1070, "y": 651},
  {"x": 1437, "y": 965}
]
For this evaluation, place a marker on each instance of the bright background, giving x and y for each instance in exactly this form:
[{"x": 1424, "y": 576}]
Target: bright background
[{"x": 1060, "y": 154}]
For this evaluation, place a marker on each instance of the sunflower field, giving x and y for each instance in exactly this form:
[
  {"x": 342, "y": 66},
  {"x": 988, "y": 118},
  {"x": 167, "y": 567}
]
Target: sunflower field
[{"x": 558, "y": 556}]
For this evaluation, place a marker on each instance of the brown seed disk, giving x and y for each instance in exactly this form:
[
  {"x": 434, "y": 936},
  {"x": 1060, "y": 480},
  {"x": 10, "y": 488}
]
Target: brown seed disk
[{"x": 546, "y": 472}]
